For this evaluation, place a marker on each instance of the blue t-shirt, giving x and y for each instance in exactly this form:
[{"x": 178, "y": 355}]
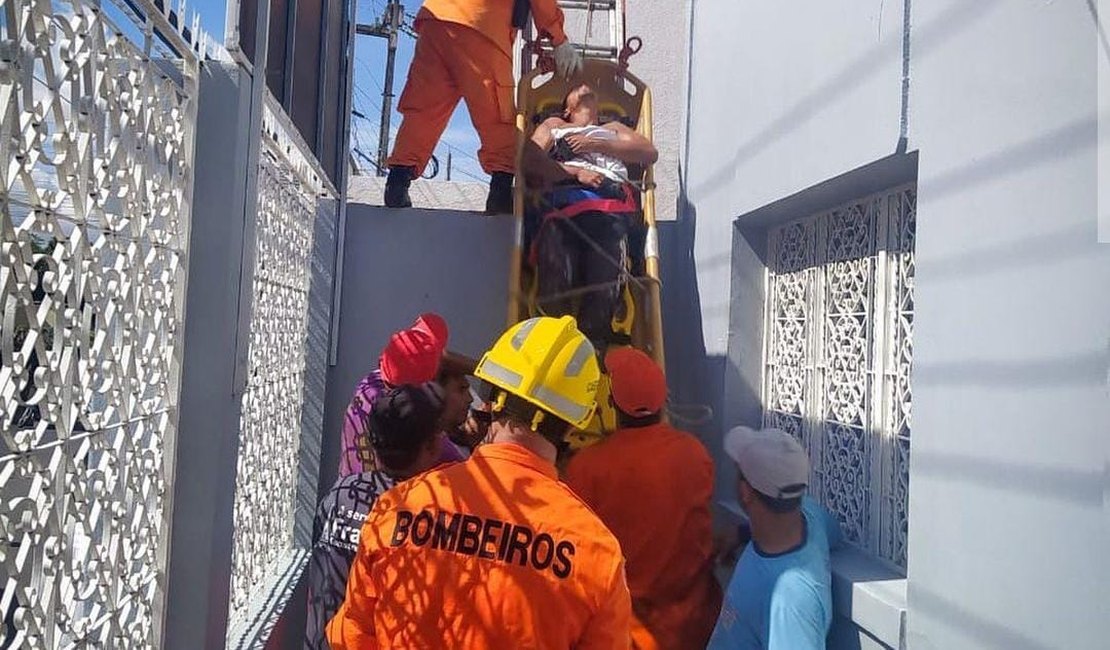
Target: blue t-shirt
[{"x": 783, "y": 601}]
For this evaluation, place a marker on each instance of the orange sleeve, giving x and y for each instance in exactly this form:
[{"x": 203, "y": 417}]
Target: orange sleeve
[
  {"x": 352, "y": 627},
  {"x": 548, "y": 17},
  {"x": 611, "y": 626},
  {"x": 578, "y": 477}
]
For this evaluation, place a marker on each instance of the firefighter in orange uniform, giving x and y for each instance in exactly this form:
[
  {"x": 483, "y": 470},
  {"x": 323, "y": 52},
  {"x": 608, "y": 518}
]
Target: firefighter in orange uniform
[
  {"x": 652, "y": 485},
  {"x": 495, "y": 552},
  {"x": 464, "y": 50}
]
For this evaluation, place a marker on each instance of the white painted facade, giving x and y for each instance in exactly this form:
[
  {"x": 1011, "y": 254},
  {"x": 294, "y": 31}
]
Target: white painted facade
[{"x": 990, "y": 108}]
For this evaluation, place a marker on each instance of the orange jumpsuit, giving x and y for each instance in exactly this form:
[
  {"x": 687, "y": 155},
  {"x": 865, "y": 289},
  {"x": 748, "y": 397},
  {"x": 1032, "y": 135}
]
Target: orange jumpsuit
[
  {"x": 652, "y": 486},
  {"x": 464, "y": 51},
  {"x": 492, "y": 552}
]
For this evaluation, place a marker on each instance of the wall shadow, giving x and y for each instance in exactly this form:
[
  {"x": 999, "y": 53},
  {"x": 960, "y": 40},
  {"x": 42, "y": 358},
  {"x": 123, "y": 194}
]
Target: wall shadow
[{"x": 693, "y": 376}]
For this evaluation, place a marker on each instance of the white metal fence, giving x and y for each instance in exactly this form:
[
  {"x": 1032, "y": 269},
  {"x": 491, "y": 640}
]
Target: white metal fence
[
  {"x": 99, "y": 117},
  {"x": 289, "y": 188},
  {"x": 97, "y": 153}
]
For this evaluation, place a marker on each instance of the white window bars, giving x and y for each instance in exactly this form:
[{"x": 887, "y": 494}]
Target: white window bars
[{"x": 838, "y": 352}]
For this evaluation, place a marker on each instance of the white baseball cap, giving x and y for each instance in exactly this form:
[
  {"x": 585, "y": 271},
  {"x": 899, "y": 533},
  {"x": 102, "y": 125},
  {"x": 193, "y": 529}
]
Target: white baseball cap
[{"x": 771, "y": 461}]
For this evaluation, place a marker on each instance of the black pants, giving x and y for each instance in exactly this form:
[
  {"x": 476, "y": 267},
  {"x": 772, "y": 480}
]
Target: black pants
[{"x": 588, "y": 250}]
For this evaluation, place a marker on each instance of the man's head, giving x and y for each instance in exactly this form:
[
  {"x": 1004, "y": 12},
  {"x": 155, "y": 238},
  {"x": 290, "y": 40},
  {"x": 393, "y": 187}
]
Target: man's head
[
  {"x": 404, "y": 427},
  {"x": 456, "y": 389},
  {"x": 580, "y": 106},
  {"x": 773, "y": 469},
  {"x": 638, "y": 390},
  {"x": 544, "y": 375},
  {"x": 413, "y": 355}
]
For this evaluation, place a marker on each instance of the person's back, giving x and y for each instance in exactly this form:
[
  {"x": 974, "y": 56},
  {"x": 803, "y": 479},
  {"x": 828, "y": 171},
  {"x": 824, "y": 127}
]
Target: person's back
[
  {"x": 780, "y": 595},
  {"x": 335, "y": 536},
  {"x": 781, "y": 601},
  {"x": 652, "y": 486},
  {"x": 401, "y": 427},
  {"x": 464, "y": 557}
]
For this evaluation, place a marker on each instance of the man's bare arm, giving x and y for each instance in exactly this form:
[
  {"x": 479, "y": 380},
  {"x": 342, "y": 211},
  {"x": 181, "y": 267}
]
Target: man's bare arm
[
  {"x": 541, "y": 135},
  {"x": 539, "y": 169},
  {"x": 630, "y": 146}
]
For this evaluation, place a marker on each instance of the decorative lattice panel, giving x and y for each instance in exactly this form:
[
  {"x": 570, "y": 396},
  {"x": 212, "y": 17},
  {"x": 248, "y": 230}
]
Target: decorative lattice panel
[
  {"x": 270, "y": 427},
  {"x": 96, "y": 145},
  {"x": 838, "y": 357}
]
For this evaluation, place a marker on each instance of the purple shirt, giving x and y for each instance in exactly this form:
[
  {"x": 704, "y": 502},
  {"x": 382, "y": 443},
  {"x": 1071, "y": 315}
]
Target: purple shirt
[{"x": 354, "y": 425}]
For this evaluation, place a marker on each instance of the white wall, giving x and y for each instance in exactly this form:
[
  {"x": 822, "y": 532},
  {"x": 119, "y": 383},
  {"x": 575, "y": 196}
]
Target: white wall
[
  {"x": 662, "y": 65},
  {"x": 1008, "y": 508},
  {"x": 784, "y": 95},
  {"x": 1009, "y": 514}
]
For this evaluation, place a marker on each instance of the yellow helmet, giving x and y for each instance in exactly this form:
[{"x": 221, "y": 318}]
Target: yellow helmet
[{"x": 547, "y": 363}]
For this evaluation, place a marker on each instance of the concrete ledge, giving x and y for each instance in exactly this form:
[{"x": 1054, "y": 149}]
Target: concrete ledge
[
  {"x": 428, "y": 195},
  {"x": 871, "y": 594}
]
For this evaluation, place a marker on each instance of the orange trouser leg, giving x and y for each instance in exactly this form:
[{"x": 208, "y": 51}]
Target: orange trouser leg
[
  {"x": 484, "y": 77},
  {"x": 429, "y": 97}
]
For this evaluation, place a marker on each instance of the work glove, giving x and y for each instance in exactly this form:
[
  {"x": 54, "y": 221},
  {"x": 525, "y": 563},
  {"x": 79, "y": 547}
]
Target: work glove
[{"x": 567, "y": 60}]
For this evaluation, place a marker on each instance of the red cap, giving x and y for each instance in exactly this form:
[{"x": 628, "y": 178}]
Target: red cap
[
  {"x": 412, "y": 355},
  {"x": 639, "y": 387}
]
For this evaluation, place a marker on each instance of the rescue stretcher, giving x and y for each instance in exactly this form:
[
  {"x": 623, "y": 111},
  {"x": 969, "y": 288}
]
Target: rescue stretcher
[{"x": 623, "y": 97}]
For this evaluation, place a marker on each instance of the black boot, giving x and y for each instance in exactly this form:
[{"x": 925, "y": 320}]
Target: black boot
[
  {"x": 397, "y": 187},
  {"x": 500, "y": 199}
]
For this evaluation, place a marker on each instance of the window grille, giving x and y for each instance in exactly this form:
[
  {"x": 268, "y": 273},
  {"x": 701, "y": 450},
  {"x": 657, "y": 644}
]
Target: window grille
[{"x": 838, "y": 354}]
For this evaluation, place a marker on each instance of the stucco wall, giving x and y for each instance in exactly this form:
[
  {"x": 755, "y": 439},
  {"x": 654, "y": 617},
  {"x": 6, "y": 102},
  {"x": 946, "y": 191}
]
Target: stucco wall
[
  {"x": 1008, "y": 509},
  {"x": 662, "y": 65},
  {"x": 399, "y": 263},
  {"x": 783, "y": 96},
  {"x": 1011, "y": 428}
]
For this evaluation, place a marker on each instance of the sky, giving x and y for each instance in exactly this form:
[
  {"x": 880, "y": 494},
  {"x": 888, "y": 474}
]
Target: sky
[{"x": 370, "y": 54}]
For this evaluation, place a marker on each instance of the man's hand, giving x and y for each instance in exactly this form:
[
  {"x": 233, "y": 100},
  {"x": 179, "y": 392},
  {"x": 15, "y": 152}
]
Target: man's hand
[
  {"x": 589, "y": 178},
  {"x": 580, "y": 144},
  {"x": 567, "y": 60},
  {"x": 540, "y": 171}
]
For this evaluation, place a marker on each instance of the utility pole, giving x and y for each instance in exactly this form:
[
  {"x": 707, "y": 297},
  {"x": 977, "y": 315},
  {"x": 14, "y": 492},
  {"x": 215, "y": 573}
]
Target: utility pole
[
  {"x": 387, "y": 27},
  {"x": 448, "y": 164}
]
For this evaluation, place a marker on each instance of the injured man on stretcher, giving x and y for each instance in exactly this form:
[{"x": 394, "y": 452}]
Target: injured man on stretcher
[{"x": 580, "y": 251}]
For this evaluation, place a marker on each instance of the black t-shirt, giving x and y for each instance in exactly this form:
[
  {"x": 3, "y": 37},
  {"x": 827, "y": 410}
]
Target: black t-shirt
[{"x": 335, "y": 535}]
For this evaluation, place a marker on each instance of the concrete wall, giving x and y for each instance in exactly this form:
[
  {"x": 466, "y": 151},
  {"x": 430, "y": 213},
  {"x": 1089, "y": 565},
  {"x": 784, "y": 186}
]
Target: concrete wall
[
  {"x": 211, "y": 395},
  {"x": 398, "y": 264},
  {"x": 1008, "y": 490},
  {"x": 777, "y": 105},
  {"x": 662, "y": 64},
  {"x": 793, "y": 105}
]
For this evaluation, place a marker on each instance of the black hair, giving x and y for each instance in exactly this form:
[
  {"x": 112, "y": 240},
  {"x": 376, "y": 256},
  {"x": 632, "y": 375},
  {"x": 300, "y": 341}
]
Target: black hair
[
  {"x": 402, "y": 420},
  {"x": 627, "y": 421},
  {"x": 775, "y": 505}
]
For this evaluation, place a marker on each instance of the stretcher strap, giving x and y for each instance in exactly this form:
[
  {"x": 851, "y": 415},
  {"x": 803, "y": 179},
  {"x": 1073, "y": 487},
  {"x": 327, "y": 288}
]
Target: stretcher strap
[{"x": 622, "y": 205}]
